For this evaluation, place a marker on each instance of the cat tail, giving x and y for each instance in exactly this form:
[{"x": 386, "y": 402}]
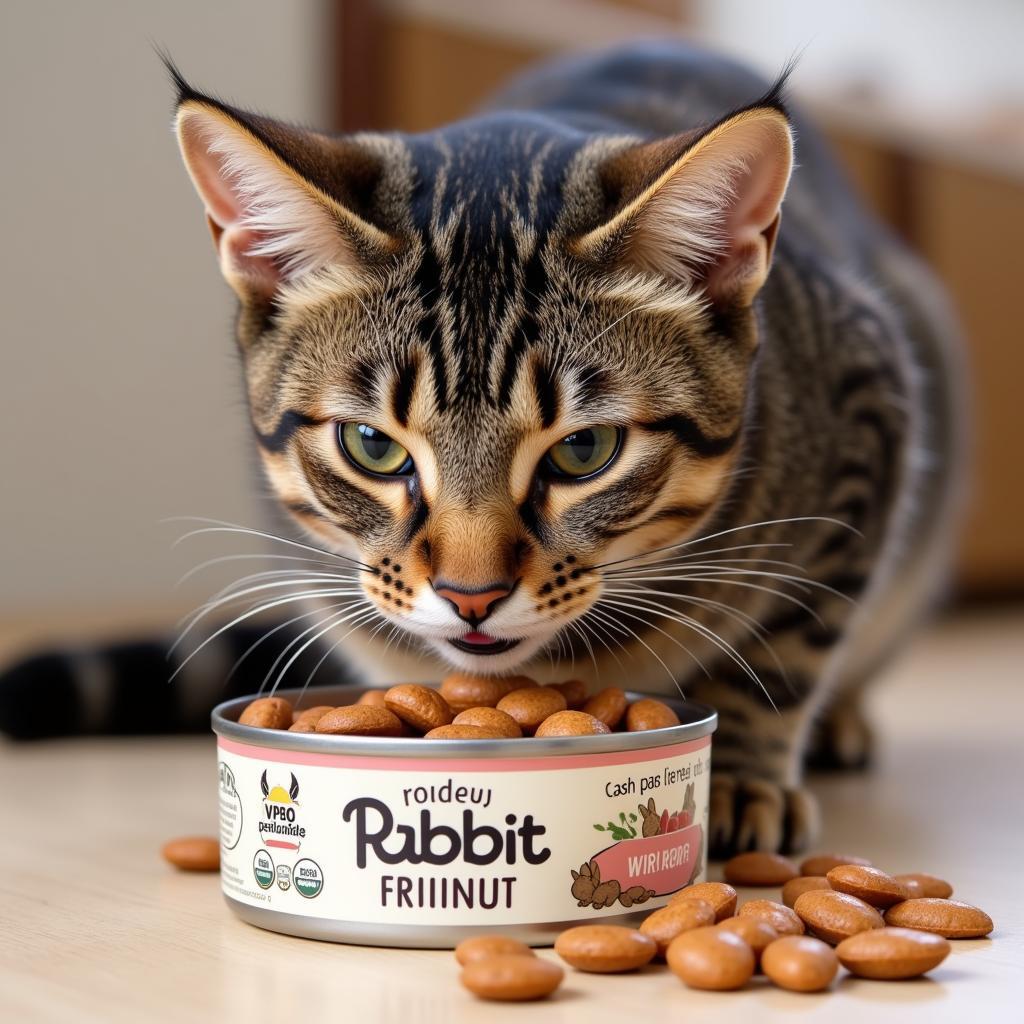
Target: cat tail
[{"x": 125, "y": 688}]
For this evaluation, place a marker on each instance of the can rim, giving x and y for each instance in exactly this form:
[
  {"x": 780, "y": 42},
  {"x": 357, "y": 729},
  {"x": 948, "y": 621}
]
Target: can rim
[{"x": 696, "y": 720}]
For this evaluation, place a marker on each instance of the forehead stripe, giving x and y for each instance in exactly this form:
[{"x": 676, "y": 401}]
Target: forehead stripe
[
  {"x": 277, "y": 440},
  {"x": 405, "y": 386},
  {"x": 688, "y": 433},
  {"x": 428, "y": 282},
  {"x": 547, "y": 394}
]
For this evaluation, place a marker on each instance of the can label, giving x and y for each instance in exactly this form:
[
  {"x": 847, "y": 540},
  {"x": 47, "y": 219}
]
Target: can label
[{"x": 461, "y": 841}]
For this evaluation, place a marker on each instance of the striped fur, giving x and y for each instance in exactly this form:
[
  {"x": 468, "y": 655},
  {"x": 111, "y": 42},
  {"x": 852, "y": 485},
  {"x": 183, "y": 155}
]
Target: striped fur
[{"x": 551, "y": 264}]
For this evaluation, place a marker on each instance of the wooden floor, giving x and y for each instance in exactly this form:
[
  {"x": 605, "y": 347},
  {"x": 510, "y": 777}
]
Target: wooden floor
[{"x": 94, "y": 927}]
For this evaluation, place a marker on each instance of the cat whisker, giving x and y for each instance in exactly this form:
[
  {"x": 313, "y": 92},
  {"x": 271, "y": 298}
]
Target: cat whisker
[
  {"x": 650, "y": 625},
  {"x": 277, "y": 578},
  {"x": 713, "y": 563},
  {"x": 330, "y": 650},
  {"x": 295, "y": 640},
  {"x": 753, "y": 627},
  {"x": 804, "y": 586},
  {"x": 227, "y": 599},
  {"x": 220, "y": 526},
  {"x": 586, "y": 640},
  {"x": 723, "y": 533},
  {"x": 336, "y": 619},
  {"x": 266, "y": 606},
  {"x": 754, "y": 586},
  {"x": 260, "y": 555},
  {"x": 712, "y": 573},
  {"x": 699, "y": 628},
  {"x": 289, "y": 575},
  {"x": 636, "y": 636},
  {"x": 584, "y": 623},
  {"x": 276, "y": 629}
]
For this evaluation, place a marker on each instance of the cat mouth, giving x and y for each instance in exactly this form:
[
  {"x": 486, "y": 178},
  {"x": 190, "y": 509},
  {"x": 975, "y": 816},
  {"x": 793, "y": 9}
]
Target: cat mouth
[{"x": 480, "y": 643}]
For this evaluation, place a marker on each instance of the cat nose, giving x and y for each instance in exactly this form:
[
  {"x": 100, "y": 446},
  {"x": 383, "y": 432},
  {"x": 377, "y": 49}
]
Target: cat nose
[{"x": 473, "y": 605}]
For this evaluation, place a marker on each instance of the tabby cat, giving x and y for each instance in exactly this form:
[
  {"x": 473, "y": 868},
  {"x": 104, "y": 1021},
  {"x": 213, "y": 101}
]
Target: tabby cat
[{"x": 557, "y": 389}]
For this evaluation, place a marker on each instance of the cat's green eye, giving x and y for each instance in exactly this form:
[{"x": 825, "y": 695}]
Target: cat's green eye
[
  {"x": 372, "y": 451},
  {"x": 583, "y": 452}
]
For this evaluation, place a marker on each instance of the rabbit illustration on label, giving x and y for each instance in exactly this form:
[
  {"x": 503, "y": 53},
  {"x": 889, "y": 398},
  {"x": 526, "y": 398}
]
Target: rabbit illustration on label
[
  {"x": 658, "y": 851},
  {"x": 589, "y": 891}
]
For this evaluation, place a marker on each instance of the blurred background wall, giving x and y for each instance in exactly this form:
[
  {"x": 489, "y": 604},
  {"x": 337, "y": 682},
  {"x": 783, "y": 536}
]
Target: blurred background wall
[{"x": 119, "y": 397}]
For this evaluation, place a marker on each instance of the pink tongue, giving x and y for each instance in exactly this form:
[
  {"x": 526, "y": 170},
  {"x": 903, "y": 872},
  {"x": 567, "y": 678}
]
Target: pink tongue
[{"x": 478, "y": 638}]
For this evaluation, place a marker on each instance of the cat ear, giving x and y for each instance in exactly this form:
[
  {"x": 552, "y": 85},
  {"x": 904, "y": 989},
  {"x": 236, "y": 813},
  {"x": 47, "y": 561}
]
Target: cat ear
[
  {"x": 271, "y": 224},
  {"x": 701, "y": 211}
]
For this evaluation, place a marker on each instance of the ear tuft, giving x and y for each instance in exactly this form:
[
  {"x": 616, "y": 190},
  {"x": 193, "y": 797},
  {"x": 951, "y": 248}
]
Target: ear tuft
[
  {"x": 183, "y": 91},
  {"x": 271, "y": 225},
  {"x": 702, "y": 212}
]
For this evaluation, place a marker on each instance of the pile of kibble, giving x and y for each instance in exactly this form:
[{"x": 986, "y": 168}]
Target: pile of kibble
[
  {"x": 835, "y": 910},
  {"x": 468, "y": 707}
]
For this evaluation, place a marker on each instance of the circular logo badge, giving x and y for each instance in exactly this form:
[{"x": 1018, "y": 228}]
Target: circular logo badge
[
  {"x": 284, "y": 877},
  {"x": 263, "y": 869},
  {"x": 308, "y": 878}
]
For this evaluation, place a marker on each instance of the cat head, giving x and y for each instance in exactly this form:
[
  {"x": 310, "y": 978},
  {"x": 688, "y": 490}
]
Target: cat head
[{"x": 490, "y": 360}]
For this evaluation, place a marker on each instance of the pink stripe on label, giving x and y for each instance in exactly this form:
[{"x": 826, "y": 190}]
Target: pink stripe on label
[
  {"x": 461, "y": 764},
  {"x": 664, "y": 863}
]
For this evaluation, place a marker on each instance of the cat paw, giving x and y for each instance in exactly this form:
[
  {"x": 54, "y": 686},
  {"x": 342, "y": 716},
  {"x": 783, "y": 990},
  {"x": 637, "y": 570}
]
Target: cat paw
[
  {"x": 755, "y": 814},
  {"x": 842, "y": 740}
]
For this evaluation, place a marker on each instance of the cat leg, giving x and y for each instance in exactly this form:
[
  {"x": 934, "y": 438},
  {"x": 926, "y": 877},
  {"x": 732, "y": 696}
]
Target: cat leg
[
  {"x": 758, "y": 800},
  {"x": 842, "y": 738}
]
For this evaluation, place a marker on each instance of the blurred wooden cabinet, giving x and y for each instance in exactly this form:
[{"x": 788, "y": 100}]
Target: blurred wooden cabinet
[
  {"x": 966, "y": 218},
  {"x": 412, "y": 65}
]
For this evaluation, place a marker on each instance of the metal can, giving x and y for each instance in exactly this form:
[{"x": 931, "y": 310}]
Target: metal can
[{"x": 421, "y": 843}]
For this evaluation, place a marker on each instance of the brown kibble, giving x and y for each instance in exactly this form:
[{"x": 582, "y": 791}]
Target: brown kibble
[
  {"x": 463, "y": 691},
  {"x": 800, "y": 964},
  {"x": 648, "y": 713},
  {"x": 192, "y": 853},
  {"x": 314, "y": 713},
  {"x": 514, "y": 978},
  {"x": 781, "y": 918},
  {"x": 605, "y": 948},
  {"x": 530, "y": 706},
  {"x": 834, "y": 916},
  {"x": 464, "y": 732},
  {"x": 305, "y": 721},
  {"x": 267, "y": 713},
  {"x": 609, "y": 705},
  {"x": 518, "y": 683},
  {"x": 720, "y": 895},
  {"x": 921, "y": 885},
  {"x": 805, "y": 883},
  {"x": 868, "y": 884},
  {"x": 419, "y": 706},
  {"x": 490, "y": 718},
  {"x": 711, "y": 958},
  {"x": 375, "y": 698},
  {"x": 759, "y": 869},
  {"x": 823, "y": 863},
  {"x": 915, "y": 890},
  {"x": 948, "y": 918},
  {"x": 664, "y": 924},
  {"x": 480, "y": 947},
  {"x": 359, "y": 720},
  {"x": 574, "y": 691},
  {"x": 892, "y": 954},
  {"x": 571, "y": 723},
  {"x": 757, "y": 934}
]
